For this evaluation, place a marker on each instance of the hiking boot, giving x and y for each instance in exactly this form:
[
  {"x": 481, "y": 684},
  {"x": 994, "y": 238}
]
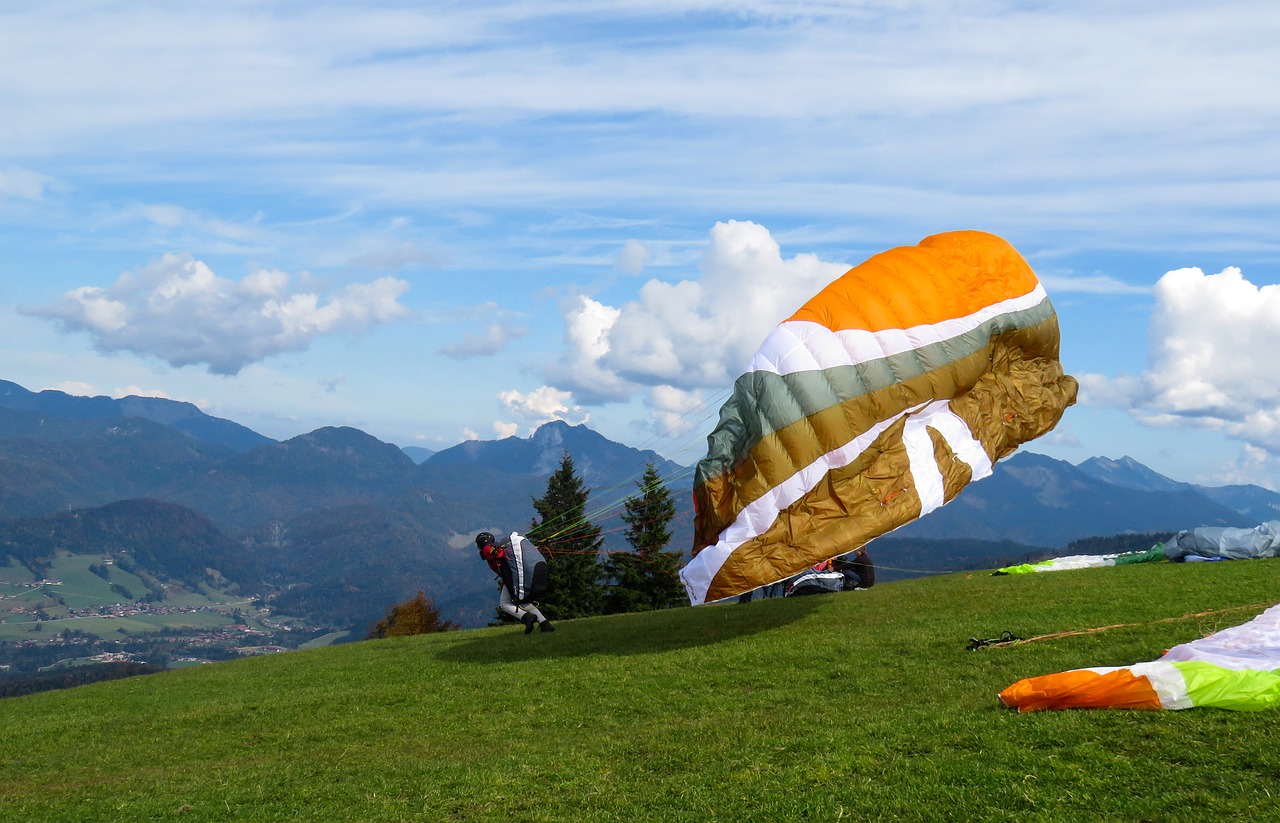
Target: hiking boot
[
  {"x": 529, "y": 622},
  {"x": 546, "y": 626}
]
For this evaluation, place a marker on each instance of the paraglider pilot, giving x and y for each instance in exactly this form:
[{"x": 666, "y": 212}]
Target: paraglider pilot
[
  {"x": 521, "y": 573},
  {"x": 858, "y": 571}
]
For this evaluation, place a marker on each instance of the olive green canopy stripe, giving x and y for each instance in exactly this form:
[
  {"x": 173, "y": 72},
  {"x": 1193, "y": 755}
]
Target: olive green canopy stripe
[
  {"x": 779, "y": 454},
  {"x": 782, "y": 453},
  {"x": 1018, "y": 401},
  {"x": 876, "y": 492},
  {"x": 854, "y": 503},
  {"x": 764, "y": 402},
  {"x": 956, "y": 474}
]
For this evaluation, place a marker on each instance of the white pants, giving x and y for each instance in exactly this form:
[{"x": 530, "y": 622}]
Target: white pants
[{"x": 518, "y": 612}]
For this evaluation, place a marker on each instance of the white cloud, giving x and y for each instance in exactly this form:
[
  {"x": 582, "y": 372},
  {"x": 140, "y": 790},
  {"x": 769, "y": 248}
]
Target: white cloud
[
  {"x": 494, "y": 340},
  {"x": 1109, "y": 392},
  {"x": 542, "y": 405},
  {"x": 20, "y": 183},
  {"x": 692, "y": 334},
  {"x": 76, "y": 387},
  {"x": 1213, "y": 363},
  {"x": 168, "y": 216},
  {"x": 633, "y": 257},
  {"x": 178, "y": 310},
  {"x": 400, "y": 256},
  {"x": 674, "y": 410},
  {"x": 137, "y": 391},
  {"x": 1253, "y": 465},
  {"x": 587, "y": 324},
  {"x": 1068, "y": 283}
]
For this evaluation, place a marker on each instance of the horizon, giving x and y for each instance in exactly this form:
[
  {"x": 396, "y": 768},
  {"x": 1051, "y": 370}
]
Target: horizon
[{"x": 530, "y": 435}]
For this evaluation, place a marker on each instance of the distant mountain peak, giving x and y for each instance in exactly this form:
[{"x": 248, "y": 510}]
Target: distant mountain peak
[
  {"x": 1130, "y": 474},
  {"x": 596, "y": 458},
  {"x": 345, "y": 435},
  {"x": 175, "y": 414}
]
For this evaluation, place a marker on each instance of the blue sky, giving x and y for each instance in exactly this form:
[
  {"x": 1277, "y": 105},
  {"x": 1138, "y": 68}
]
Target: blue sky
[{"x": 447, "y": 221}]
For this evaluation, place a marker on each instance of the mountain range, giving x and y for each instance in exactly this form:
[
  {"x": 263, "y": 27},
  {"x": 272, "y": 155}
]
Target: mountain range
[{"x": 336, "y": 525}]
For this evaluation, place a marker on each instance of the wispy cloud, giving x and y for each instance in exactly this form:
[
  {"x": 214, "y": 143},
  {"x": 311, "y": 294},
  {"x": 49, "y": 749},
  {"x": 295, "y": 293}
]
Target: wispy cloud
[
  {"x": 1090, "y": 284},
  {"x": 884, "y": 109},
  {"x": 28, "y": 185},
  {"x": 571, "y": 154},
  {"x": 493, "y": 339}
]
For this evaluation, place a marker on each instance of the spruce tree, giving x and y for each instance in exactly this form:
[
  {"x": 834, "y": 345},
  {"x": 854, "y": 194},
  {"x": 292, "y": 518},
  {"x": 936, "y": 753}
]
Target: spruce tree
[
  {"x": 571, "y": 545},
  {"x": 647, "y": 578}
]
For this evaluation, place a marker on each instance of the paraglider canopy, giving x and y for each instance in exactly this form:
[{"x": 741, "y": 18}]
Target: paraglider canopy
[{"x": 875, "y": 403}]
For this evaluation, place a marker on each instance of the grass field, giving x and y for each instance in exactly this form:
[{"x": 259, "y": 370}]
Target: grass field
[{"x": 856, "y": 706}]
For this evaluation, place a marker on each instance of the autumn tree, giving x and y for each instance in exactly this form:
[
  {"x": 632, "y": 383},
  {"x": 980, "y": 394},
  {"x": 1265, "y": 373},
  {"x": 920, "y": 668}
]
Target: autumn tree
[
  {"x": 571, "y": 545},
  {"x": 416, "y": 616},
  {"x": 646, "y": 578}
]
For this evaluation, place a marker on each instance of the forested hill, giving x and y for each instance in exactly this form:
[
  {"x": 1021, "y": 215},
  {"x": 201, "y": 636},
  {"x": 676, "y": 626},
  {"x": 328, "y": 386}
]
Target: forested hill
[
  {"x": 160, "y": 538},
  {"x": 340, "y": 525}
]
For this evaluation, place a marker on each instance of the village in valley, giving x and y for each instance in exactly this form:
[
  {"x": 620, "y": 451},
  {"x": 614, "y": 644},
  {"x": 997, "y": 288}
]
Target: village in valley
[{"x": 88, "y": 610}]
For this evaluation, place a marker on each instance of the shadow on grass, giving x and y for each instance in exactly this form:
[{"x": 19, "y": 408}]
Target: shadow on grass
[{"x": 632, "y": 634}]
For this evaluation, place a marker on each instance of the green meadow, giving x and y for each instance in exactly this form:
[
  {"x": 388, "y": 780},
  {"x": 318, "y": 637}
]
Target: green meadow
[
  {"x": 855, "y": 706},
  {"x": 79, "y": 589}
]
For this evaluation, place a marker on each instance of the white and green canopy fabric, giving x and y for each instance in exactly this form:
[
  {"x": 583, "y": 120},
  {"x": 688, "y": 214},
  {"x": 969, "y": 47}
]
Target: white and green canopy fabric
[
  {"x": 1085, "y": 561},
  {"x": 1191, "y": 545}
]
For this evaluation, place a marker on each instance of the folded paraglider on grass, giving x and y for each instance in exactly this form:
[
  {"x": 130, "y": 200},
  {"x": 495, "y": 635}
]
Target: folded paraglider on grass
[{"x": 1236, "y": 668}]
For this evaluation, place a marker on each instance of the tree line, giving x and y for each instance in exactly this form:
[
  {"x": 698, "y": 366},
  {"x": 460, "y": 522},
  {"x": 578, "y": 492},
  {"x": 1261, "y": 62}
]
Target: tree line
[
  {"x": 583, "y": 581},
  {"x": 586, "y": 583}
]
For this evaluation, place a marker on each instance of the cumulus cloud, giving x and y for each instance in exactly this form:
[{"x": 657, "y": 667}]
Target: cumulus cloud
[
  {"x": 587, "y": 324},
  {"x": 692, "y": 334},
  {"x": 178, "y": 310},
  {"x": 1213, "y": 339},
  {"x": 542, "y": 405},
  {"x": 76, "y": 387},
  {"x": 681, "y": 420},
  {"x": 670, "y": 409}
]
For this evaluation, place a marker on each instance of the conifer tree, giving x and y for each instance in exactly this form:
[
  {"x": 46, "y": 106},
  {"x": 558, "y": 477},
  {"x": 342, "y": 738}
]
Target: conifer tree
[
  {"x": 571, "y": 545},
  {"x": 647, "y": 578}
]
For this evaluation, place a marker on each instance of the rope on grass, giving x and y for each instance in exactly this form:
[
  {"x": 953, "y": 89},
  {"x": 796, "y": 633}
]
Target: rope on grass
[{"x": 1097, "y": 629}]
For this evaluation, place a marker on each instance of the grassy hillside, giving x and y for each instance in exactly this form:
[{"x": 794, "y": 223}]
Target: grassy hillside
[{"x": 864, "y": 705}]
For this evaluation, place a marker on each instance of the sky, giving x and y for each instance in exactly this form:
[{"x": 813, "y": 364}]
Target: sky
[{"x": 448, "y": 221}]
